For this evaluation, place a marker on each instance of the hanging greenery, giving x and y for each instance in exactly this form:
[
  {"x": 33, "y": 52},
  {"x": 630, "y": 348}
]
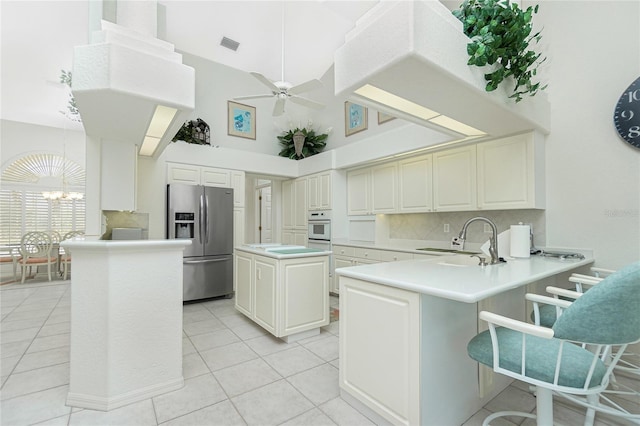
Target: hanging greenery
[
  {"x": 500, "y": 34},
  {"x": 313, "y": 143},
  {"x": 73, "y": 114}
]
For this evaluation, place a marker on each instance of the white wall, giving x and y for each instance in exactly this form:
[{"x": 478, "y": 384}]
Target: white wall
[{"x": 593, "y": 176}]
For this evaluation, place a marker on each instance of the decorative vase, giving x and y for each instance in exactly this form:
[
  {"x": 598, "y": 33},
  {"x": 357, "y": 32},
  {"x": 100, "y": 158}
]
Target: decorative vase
[{"x": 298, "y": 143}]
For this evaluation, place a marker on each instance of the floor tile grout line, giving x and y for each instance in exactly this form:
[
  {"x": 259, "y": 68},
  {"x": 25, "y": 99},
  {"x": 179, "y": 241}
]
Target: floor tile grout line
[{"x": 33, "y": 339}]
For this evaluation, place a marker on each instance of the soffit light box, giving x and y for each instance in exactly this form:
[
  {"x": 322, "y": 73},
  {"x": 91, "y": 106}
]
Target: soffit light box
[
  {"x": 409, "y": 59},
  {"x": 404, "y": 106},
  {"x": 162, "y": 118}
]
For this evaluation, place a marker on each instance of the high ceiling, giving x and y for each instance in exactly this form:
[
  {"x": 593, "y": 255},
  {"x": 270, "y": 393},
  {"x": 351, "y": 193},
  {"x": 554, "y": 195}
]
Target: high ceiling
[{"x": 38, "y": 39}]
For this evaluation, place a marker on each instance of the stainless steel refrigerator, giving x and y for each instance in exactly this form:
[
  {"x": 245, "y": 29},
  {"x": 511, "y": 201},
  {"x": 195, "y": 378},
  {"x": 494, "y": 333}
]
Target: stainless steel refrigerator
[{"x": 204, "y": 215}]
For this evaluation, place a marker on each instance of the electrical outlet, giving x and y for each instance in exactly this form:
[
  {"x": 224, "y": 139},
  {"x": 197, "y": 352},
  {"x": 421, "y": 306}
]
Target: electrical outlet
[
  {"x": 487, "y": 228},
  {"x": 446, "y": 228}
]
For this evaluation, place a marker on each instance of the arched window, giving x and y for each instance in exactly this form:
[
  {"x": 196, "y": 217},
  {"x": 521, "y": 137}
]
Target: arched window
[{"x": 24, "y": 208}]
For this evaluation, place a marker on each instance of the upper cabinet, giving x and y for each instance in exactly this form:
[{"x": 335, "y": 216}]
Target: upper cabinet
[
  {"x": 511, "y": 173},
  {"x": 319, "y": 191},
  {"x": 415, "y": 184},
  {"x": 372, "y": 190},
  {"x": 454, "y": 179},
  {"x": 209, "y": 176},
  {"x": 506, "y": 173},
  {"x": 294, "y": 211}
]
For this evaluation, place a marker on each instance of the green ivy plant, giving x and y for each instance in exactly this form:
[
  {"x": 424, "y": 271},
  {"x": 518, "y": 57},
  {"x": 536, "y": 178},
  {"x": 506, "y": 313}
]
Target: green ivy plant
[
  {"x": 193, "y": 131},
  {"x": 74, "y": 114},
  {"x": 500, "y": 34},
  {"x": 313, "y": 143}
]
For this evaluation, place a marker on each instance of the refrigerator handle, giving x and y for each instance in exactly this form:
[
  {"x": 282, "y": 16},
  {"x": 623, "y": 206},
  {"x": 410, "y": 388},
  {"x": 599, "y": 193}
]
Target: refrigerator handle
[
  {"x": 202, "y": 221},
  {"x": 206, "y": 222}
]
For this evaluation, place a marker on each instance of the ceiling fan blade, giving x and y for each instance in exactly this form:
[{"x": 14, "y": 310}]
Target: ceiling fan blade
[
  {"x": 238, "y": 98},
  {"x": 306, "y": 102},
  {"x": 278, "y": 108},
  {"x": 305, "y": 87},
  {"x": 264, "y": 80}
]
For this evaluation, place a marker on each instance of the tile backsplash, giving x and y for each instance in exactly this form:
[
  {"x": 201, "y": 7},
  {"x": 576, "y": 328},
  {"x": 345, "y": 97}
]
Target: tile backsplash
[
  {"x": 120, "y": 219},
  {"x": 430, "y": 226}
]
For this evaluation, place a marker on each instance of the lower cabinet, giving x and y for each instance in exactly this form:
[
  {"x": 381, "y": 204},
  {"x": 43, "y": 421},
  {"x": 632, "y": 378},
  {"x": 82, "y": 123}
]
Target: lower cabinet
[{"x": 284, "y": 296}]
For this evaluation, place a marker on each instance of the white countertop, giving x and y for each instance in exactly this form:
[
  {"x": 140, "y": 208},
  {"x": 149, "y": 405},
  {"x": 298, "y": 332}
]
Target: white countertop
[
  {"x": 460, "y": 282},
  {"x": 90, "y": 244},
  {"x": 266, "y": 250}
]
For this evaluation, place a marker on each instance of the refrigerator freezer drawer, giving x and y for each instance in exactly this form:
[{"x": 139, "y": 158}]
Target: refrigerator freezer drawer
[{"x": 208, "y": 276}]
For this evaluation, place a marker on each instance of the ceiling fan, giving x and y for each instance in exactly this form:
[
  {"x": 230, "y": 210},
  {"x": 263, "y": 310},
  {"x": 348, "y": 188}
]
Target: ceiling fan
[{"x": 283, "y": 90}]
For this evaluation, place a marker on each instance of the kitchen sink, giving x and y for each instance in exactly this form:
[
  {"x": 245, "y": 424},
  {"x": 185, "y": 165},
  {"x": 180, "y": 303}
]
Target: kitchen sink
[
  {"x": 460, "y": 261},
  {"x": 441, "y": 250}
]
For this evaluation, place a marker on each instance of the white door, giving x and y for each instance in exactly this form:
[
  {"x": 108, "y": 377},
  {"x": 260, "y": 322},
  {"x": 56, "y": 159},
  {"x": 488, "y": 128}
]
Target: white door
[{"x": 265, "y": 215}]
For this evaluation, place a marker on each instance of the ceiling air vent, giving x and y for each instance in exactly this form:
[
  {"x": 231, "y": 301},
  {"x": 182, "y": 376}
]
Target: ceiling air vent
[{"x": 229, "y": 44}]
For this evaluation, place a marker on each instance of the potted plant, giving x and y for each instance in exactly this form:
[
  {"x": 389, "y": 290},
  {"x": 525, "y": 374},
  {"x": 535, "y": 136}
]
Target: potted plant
[
  {"x": 303, "y": 142},
  {"x": 500, "y": 35}
]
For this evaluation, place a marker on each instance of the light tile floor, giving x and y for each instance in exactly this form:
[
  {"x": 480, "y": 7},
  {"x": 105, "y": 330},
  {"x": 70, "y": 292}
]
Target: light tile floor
[{"x": 235, "y": 373}]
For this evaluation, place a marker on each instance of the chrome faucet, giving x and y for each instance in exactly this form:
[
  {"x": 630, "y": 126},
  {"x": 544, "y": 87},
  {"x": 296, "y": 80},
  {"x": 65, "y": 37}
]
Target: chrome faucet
[{"x": 493, "y": 241}]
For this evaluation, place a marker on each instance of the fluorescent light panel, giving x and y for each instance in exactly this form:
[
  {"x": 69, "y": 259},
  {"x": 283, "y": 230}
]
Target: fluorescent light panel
[
  {"x": 162, "y": 118},
  {"x": 401, "y": 104}
]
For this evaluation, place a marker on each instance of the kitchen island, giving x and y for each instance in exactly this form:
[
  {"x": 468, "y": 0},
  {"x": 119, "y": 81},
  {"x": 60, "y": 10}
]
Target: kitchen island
[
  {"x": 404, "y": 328},
  {"x": 284, "y": 289}
]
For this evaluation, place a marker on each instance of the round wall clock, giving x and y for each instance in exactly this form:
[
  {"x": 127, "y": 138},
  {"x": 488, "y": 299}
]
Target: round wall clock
[{"x": 626, "y": 116}]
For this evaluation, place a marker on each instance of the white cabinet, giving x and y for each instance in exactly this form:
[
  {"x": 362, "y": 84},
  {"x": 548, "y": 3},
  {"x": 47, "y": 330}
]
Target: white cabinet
[
  {"x": 294, "y": 211},
  {"x": 238, "y": 227},
  {"x": 284, "y": 296},
  {"x": 210, "y": 176},
  {"x": 183, "y": 173},
  {"x": 118, "y": 179},
  {"x": 237, "y": 183},
  {"x": 507, "y": 175},
  {"x": 415, "y": 184},
  {"x": 454, "y": 179},
  {"x": 319, "y": 191},
  {"x": 384, "y": 188},
  {"x": 386, "y": 321},
  {"x": 372, "y": 190},
  {"x": 358, "y": 193}
]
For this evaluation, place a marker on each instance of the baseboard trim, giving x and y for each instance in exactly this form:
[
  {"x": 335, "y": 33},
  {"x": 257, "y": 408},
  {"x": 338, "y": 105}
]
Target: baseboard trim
[{"x": 100, "y": 403}]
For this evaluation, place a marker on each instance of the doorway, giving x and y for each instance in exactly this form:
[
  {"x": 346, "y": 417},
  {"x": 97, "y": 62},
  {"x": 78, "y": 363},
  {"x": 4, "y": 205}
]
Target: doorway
[{"x": 264, "y": 211}]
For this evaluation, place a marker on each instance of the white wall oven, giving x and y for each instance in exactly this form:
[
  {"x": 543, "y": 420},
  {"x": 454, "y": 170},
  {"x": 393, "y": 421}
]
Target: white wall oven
[{"x": 319, "y": 223}]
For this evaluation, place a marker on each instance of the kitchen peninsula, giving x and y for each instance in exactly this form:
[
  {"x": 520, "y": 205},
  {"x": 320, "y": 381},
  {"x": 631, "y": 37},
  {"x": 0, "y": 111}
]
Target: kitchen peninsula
[
  {"x": 284, "y": 289},
  {"x": 410, "y": 322}
]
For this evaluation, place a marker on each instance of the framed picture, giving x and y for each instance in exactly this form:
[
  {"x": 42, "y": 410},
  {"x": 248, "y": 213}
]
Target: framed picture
[
  {"x": 241, "y": 120},
  {"x": 355, "y": 118},
  {"x": 383, "y": 118}
]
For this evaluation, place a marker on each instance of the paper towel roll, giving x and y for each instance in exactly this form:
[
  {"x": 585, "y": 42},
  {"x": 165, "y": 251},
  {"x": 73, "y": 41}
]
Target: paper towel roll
[{"x": 520, "y": 240}]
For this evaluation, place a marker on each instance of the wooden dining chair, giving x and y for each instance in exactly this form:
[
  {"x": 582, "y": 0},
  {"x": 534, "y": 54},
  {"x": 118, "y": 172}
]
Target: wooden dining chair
[
  {"x": 36, "y": 250},
  {"x": 65, "y": 258}
]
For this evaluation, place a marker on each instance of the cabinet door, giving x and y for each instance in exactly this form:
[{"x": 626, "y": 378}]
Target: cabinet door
[
  {"x": 380, "y": 331},
  {"x": 339, "y": 262},
  {"x": 183, "y": 173},
  {"x": 265, "y": 293},
  {"x": 313, "y": 186},
  {"x": 210, "y": 176},
  {"x": 238, "y": 227},
  {"x": 118, "y": 189},
  {"x": 324, "y": 191},
  {"x": 288, "y": 237},
  {"x": 358, "y": 188},
  {"x": 415, "y": 184},
  {"x": 237, "y": 183},
  {"x": 506, "y": 173},
  {"x": 300, "y": 238},
  {"x": 243, "y": 282},
  {"x": 287, "y": 204},
  {"x": 300, "y": 200},
  {"x": 384, "y": 188},
  {"x": 454, "y": 179}
]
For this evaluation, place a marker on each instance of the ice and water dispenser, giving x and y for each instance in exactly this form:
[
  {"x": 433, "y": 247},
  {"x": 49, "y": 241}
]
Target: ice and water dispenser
[{"x": 184, "y": 225}]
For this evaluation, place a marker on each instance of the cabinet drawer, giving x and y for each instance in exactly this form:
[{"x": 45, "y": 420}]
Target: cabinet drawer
[
  {"x": 366, "y": 253},
  {"x": 343, "y": 250},
  {"x": 392, "y": 256}
]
